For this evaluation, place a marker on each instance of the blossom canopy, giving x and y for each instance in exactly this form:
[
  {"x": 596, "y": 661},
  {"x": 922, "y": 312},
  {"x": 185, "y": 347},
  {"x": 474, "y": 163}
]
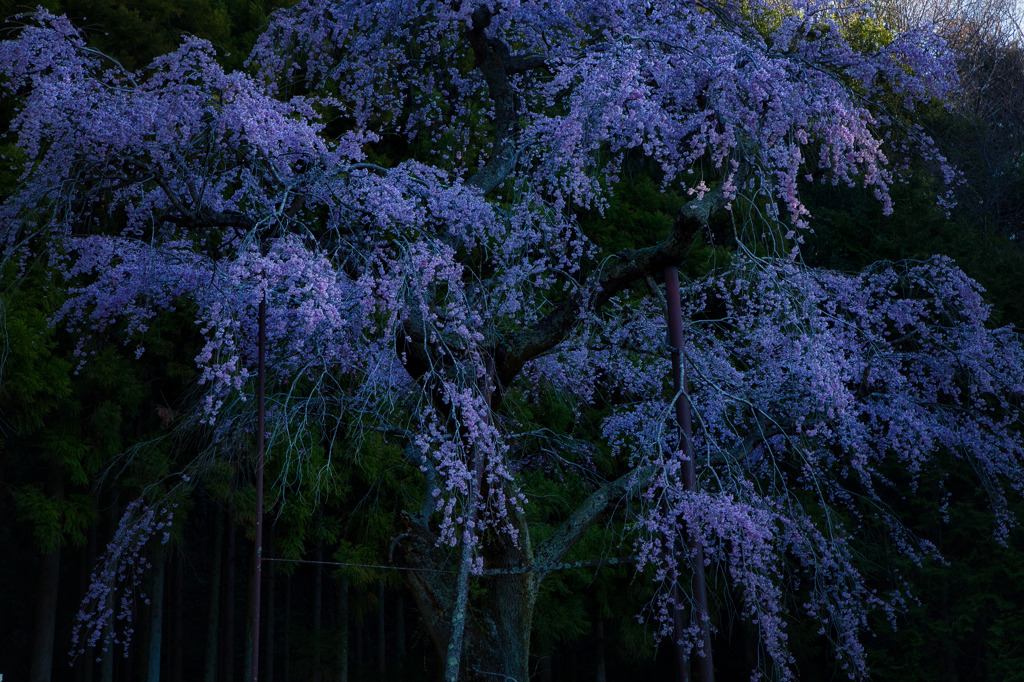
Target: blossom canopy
[{"x": 402, "y": 181}]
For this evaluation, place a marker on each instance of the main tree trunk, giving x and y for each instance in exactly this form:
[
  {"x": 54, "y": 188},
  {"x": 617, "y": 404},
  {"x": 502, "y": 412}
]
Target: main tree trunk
[{"x": 496, "y": 644}]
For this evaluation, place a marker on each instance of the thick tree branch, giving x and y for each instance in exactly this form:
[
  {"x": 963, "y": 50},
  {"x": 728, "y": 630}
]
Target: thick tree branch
[
  {"x": 496, "y": 62},
  {"x": 551, "y": 551},
  {"x": 239, "y": 221},
  {"x": 521, "y": 63},
  {"x": 623, "y": 269}
]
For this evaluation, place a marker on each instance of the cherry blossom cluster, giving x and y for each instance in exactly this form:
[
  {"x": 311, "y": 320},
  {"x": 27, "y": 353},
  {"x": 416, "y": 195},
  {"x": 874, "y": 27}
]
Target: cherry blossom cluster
[
  {"x": 686, "y": 83},
  {"x": 106, "y": 617},
  {"x": 454, "y": 450},
  {"x": 102, "y": 140},
  {"x": 818, "y": 399}
]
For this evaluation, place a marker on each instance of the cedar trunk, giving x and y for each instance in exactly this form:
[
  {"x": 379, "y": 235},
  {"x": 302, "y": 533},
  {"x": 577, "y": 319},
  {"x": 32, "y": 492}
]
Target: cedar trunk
[
  {"x": 46, "y": 599},
  {"x": 46, "y": 617},
  {"x": 213, "y": 619}
]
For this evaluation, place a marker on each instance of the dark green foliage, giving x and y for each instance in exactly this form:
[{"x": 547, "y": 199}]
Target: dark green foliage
[
  {"x": 38, "y": 405},
  {"x": 967, "y": 625},
  {"x": 135, "y": 31},
  {"x": 850, "y": 232},
  {"x": 638, "y": 214},
  {"x": 55, "y": 520},
  {"x": 641, "y": 212}
]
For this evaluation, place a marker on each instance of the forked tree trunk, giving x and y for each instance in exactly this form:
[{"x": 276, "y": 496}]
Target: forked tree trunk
[
  {"x": 500, "y": 615},
  {"x": 487, "y": 638},
  {"x": 496, "y": 638},
  {"x": 498, "y": 646}
]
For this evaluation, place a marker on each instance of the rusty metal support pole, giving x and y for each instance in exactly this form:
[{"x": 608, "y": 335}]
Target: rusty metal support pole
[
  {"x": 674, "y": 317},
  {"x": 260, "y": 444}
]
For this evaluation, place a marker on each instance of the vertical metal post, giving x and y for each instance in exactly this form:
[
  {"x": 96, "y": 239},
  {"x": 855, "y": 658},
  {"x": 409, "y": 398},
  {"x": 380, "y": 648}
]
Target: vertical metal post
[
  {"x": 260, "y": 444},
  {"x": 674, "y": 317}
]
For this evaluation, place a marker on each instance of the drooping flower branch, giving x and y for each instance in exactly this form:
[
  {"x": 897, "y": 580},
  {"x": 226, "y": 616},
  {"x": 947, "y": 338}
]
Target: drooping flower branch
[{"x": 107, "y": 615}]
